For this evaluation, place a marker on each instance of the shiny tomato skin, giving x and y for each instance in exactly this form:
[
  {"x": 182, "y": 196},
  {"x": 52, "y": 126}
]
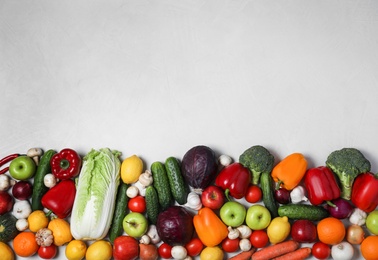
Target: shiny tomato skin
[
  {"x": 194, "y": 247},
  {"x": 259, "y": 238},
  {"x": 321, "y": 250},
  {"x": 137, "y": 204},
  {"x": 230, "y": 245},
  {"x": 47, "y": 252},
  {"x": 165, "y": 251},
  {"x": 254, "y": 194}
]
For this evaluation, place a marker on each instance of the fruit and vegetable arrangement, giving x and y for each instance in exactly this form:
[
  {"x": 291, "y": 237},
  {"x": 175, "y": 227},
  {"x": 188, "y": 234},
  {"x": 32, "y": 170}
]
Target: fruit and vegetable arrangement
[{"x": 201, "y": 206}]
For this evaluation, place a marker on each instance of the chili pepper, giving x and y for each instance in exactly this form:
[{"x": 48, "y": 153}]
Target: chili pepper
[
  {"x": 365, "y": 191},
  {"x": 60, "y": 198},
  {"x": 321, "y": 185},
  {"x": 235, "y": 179},
  {"x": 209, "y": 227},
  {"x": 290, "y": 171},
  {"x": 5, "y": 160},
  {"x": 66, "y": 164}
]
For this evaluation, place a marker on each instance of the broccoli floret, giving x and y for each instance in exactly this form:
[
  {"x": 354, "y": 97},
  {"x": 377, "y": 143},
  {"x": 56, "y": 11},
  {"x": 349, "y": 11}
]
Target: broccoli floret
[
  {"x": 258, "y": 160},
  {"x": 347, "y": 163}
]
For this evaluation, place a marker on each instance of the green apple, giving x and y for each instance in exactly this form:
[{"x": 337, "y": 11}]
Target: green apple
[
  {"x": 135, "y": 224},
  {"x": 258, "y": 217},
  {"x": 372, "y": 222},
  {"x": 233, "y": 213},
  {"x": 22, "y": 168}
]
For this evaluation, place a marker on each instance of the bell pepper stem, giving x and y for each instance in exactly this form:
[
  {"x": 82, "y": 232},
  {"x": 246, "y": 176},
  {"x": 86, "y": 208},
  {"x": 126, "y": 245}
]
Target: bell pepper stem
[
  {"x": 227, "y": 194},
  {"x": 278, "y": 184}
]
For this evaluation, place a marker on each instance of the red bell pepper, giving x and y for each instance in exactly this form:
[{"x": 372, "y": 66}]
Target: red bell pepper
[
  {"x": 235, "y": 179},
  {"x": 60, "y": 198},
  {"x": 365, "y": 191},
  {"x": 321, "y": 185},
  {"x": 66, "y": 164}
]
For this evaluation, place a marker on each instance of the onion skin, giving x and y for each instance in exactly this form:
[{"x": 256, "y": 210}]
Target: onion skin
[
  {"x": 340, "y": 208},
  {"x": 355, "y": 234}
]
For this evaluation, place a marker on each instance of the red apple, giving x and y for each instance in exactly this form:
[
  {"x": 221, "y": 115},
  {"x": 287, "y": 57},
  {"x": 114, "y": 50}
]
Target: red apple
[
  {"x": 304, "y": 231},
  {"x": 6, "y": 202},
  {"x": 125, "y": 248},
  {"x": 213, "y": 197}
]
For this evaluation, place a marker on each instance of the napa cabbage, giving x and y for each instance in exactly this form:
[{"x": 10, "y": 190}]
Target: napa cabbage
[{"x": 95, "y": 195}]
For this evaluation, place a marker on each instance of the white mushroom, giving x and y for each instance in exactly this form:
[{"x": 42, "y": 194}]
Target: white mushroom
[{"x": 35, "y": 154}]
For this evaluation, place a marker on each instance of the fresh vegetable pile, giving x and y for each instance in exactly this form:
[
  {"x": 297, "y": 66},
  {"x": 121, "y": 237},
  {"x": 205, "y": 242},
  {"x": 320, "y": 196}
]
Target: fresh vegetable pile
[{"x": 206, "y": 206}]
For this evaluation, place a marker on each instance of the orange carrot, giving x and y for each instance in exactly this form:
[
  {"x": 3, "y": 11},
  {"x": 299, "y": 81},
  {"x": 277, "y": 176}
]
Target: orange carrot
[
  {"x": 275, "y": 250},
  {"x": 245, "y": 255},
  {"x": 299, "y": 254}
]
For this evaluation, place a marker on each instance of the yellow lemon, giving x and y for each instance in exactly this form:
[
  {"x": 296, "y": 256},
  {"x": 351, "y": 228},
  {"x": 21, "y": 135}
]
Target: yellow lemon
[
  {"x": 131, "y": 169},
  {"x": 75, "y": 250},
  {"x": 37, "y": 220},
  {"x": 278, "y": 229},
  {"x": 212, "y": 253},
  {"x": 6, "y": 252},
  {"x": 99, "y": 250}
]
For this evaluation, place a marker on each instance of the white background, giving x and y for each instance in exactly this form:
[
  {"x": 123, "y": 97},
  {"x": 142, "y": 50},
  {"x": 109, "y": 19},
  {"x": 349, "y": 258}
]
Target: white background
[{"x": 155, "y": 78}]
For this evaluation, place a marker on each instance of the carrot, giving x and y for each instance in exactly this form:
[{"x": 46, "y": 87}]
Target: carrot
[
  {"x": 245, "y": 255},
  {"x": 299, "y": 254},
  {"x": 275, "y": 250}
]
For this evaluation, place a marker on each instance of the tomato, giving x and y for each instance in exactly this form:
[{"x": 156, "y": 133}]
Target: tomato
[
  {"x": 321, "y": 250},
  {"x": 137, "y": 204},
  {"x": 230, "y": 245},
  {"x": 48, "y": 252},
  {"x": 259, "y": 238},
  {"x": 165, "y": 251},
  {"x": 254, "y": 194},
  {"x": 194, "y": 247}
]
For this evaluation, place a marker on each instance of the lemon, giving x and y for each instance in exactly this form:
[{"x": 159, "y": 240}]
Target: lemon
[
  {"x": 75, "y": 250},
  {"x": 6, "y": 252},
  {"x": 37, "y": 220},
  {"x": 212, "y": 253},
  {"x": 278, "y": 229},
  {"x": 99, "y": 250},
  {"x": 131, "y": 169}
]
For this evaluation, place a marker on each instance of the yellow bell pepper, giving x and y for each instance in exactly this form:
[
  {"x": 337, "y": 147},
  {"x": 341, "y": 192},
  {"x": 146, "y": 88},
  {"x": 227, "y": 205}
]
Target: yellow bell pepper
[
  {"x": 290, "y": 171},
  {"x": 209, "y": 227}
]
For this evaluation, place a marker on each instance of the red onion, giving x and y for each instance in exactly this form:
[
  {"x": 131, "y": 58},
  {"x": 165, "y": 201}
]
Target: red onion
[{"x": 340, "y": 208}]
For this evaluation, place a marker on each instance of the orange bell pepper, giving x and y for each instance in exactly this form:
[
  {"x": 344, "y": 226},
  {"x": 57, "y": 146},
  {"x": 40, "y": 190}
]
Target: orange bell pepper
[
  {"x": 290, "y": 171},
  {"x": 209, "y": 227}
]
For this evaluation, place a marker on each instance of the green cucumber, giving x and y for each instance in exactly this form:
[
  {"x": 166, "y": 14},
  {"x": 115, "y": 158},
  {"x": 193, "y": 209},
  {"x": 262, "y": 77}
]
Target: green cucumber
[
  {"x": 39, "y": 188},
  {"x": 161, "y": 184},
  {"x": 176, "y": 180},
  {"x": 266, "y": 183},
  {"x": 152, "y": 204},
  {"x": 303, "y": 211},
  {"x": 120, "y": 210}
]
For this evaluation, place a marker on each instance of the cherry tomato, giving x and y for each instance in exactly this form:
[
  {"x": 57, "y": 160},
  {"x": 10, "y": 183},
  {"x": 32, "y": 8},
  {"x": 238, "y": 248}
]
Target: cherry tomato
[
  {"x": 230, "y": 245},
  {"x": 259, "y": 238},
  {"x": 165, "y": 251},
  {"x": 137, "y": 204},
  {"x": 254, "y": 194},
  {"x": 321, "y": 250},
  {"x": 48, "y": 252},
  {"x": 194, "y": 247}
]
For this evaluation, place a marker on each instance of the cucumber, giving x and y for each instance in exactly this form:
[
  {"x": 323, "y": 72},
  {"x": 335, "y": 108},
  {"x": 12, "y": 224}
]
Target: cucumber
[
  {"x": 266, "y": 183},
  {"x": 152, "y": 204},
  {"x": 39, "y": 188},
  {"x": 303, "y": 211},
  {"x": 116, "y": 227},
  {"x": 161, "y": 184},
  {"x": 176, "y": 180}
]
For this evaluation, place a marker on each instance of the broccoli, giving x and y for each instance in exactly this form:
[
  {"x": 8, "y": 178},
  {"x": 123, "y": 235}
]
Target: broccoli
[
  {"x": 347, "y": 163},
  {"x": 258, "y": 160}
]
